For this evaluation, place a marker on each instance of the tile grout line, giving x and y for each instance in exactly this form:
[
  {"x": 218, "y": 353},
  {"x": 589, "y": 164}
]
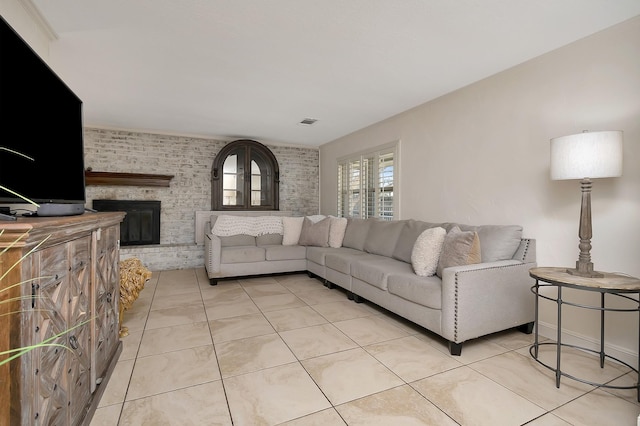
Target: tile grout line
[
  {"x": 213, "y": 343},
  {"x": 135, "y": 359}
]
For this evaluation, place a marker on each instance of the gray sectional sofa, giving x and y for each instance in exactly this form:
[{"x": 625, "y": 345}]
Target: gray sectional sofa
[{"x": 376, "y": 261}]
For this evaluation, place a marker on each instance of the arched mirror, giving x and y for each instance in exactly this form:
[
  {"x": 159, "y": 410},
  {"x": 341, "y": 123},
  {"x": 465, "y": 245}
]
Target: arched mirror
[{"x": 245, "y": 176}]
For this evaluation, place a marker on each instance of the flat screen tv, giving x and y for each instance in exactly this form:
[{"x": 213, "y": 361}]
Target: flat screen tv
[{"x": 41, "y": 118}]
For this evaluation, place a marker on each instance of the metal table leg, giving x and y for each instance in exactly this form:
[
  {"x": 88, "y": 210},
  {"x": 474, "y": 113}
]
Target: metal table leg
[
  {"x": 559, "y": 340},
  {"x": 536, "y": 345},
  {"x": 602, "y": 330}
]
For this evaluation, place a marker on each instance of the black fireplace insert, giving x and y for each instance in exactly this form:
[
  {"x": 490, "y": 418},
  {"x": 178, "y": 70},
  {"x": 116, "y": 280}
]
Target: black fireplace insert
[{"x": 141, "y": 224}]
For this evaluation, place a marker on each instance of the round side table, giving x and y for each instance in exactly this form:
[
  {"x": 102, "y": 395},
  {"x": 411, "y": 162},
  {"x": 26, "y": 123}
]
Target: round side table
[{"x": 616, "y": 285}]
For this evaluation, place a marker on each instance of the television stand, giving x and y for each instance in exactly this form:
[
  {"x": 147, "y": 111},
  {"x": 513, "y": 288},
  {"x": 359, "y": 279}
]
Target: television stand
[{"x": 73, "y": 309}]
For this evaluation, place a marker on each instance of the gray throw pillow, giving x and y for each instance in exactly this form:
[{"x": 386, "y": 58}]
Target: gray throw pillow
[
  {"x": 315, "y": 234},
  {"x": 459, "y": 248}
]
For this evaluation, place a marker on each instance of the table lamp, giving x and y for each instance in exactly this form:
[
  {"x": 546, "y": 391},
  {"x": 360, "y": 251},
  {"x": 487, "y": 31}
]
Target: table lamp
[{"x": 586, "y": 156}]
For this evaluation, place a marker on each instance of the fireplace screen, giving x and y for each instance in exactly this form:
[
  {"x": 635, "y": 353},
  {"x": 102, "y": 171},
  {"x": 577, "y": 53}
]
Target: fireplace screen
[{"x": 141, "y": 224}]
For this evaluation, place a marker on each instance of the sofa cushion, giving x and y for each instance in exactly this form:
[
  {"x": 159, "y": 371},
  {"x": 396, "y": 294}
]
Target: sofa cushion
[
  {"x": 425, "y": 291},
  {"x": 242, "y": 254},
  {"x": 382, "y": 237},
  {"x": 336, "y": 231},
  {"x": 237, "y": 240},
  {"x": 291, "y": 228},
  {"x": 356, "y": 232},
  {"x": 315, "y": 234},
  {"x": 280, "y": 252},
  {"x": 408, "y": 236},
  {"x": 374, "y": 269},
  {"x": 459, "y": 248},
  {"x": 426, "y": 251},
  {"x": 268, "y": 239},
  {"x": 498, "y": 242},
  {"x": 318, "y": 254},
  {"x": 341, "y": 262}
]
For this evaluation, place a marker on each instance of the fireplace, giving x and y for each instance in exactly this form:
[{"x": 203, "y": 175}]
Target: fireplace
[{"x": 141, "y": 224}]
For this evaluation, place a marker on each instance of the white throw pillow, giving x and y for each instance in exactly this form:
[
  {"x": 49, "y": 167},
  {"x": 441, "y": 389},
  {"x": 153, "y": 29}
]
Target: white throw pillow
[
  {"x": 337, "y": 228},
  {"x": 292, "y": 227},
  {"x": 426, "y": 251}
]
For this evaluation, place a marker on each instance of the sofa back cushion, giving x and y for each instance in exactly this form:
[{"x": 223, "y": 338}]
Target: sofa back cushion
[
  {"x": 408, "y": 236},
  {"x": 497, "y": 242},
  {"x": 269, "y": 239},
  {"x": 382, "y": 237},
  {"x": 237, "y": 240},
  {"x": 356, "y": 233}
]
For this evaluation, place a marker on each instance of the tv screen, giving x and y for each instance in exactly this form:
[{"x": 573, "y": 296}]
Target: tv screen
[{"x": 40, "y": 117}]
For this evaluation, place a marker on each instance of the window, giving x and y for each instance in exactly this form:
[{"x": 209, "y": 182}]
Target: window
[
  {"x": 366, "y": 184},
  {"x": 245, "y": 176}
]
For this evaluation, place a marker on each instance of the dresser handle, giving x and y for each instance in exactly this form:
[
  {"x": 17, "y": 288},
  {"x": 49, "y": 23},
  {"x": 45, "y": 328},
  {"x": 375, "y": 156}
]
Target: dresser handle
[
  {"x": 73, "y": 342},
  {"x": 109, "y": 297}
]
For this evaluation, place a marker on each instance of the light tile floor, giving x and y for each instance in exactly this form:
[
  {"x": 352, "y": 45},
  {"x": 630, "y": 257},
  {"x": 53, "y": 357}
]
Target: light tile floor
[{"x": 285, "y": 350}]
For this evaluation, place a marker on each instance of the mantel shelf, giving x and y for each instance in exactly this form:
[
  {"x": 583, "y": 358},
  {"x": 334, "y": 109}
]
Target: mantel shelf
[{"x": 131, "y": 179}]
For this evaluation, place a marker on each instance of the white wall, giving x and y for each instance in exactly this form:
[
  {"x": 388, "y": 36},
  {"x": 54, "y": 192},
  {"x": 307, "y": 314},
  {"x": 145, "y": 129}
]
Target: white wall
[
  {"x": 26, "y": 23},
  {"x": 480, "y": 155}
]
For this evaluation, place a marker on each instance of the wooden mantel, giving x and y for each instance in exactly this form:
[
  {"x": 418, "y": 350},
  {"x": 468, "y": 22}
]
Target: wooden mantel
[{"x": 131, "y": 179}]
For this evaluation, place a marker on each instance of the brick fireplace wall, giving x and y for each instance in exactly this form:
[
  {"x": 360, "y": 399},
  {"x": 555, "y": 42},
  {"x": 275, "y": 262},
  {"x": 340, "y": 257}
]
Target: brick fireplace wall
[{"x": 189, "y": 159}]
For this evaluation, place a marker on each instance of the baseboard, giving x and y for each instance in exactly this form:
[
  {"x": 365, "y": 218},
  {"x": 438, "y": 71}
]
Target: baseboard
[{"x": 550, "y": 331}]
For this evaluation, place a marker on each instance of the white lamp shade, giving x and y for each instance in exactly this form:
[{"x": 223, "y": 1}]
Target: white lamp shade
[{"x": 587, "y": 155}]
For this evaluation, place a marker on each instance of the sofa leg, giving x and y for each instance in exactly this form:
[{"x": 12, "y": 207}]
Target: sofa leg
[
  {"x": 350, "y": 295},
  {"x": 357, "y": 298},
  {"x": 213, "y": 281},
  {"x": 455, "y": 348},
  {"x": 310, "y": 274},
  {"x": 526, "y": 328},
  {"x": 329, "y": 284}
]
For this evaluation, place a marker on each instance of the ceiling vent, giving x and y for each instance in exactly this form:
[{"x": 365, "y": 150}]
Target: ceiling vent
[{"x": 308, "y": 121}]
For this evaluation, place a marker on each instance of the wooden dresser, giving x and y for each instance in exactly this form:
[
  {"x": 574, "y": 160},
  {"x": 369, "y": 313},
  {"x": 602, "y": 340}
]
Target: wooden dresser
[{"x": 68, "y": 292}]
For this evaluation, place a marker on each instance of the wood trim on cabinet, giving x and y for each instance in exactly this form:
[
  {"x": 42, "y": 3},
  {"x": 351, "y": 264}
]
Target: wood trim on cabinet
[{"x": 131, "y": 179}]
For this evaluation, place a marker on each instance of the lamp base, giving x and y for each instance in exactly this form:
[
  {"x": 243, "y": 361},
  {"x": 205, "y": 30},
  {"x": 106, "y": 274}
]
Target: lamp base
[{"x": 585, "y": 269}]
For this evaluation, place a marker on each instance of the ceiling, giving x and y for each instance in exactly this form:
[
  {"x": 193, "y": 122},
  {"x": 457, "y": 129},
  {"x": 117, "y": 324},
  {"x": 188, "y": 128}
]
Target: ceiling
[{"x": 255, "y": 69}]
